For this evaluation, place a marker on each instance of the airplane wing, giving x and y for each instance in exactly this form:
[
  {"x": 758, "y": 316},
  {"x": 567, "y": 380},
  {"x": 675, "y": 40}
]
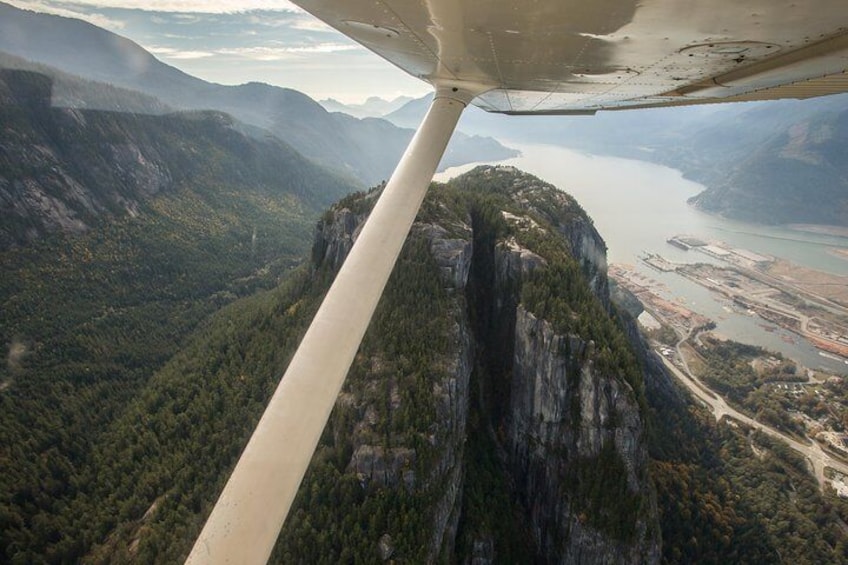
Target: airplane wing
[{"x": 580, "y": 56}]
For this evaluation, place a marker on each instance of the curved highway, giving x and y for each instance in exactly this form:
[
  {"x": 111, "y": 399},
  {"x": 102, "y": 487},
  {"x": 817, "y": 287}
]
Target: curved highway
[{"x": 813, "y": 452}]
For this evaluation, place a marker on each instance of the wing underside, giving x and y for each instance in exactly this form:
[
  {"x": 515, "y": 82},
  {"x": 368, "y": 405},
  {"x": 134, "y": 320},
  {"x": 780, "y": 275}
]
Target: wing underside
[{"x": 578, "y": 56}]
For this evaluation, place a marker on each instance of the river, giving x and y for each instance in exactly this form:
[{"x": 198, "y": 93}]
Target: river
[{"x": 637, "y": 206}]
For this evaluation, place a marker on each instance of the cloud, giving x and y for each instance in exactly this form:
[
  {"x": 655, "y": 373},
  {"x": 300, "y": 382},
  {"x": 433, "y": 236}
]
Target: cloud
[
  {"x": 311, "y": 24},
  {"x": 59, "y": 9},
  {"x": 276, "y": 20},
  {"x": 181, "y": 6},
  {"x": 171, "y": 53},
  {"x": 324, "y": 48},
  {"x": 279, "y": 53}
]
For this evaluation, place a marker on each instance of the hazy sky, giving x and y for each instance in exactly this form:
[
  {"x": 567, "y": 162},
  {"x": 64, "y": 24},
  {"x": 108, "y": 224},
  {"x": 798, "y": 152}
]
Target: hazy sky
[{"x": 237, "y": 41}]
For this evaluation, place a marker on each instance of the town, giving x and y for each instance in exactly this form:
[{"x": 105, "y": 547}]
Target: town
[{"x": 805, "y": 407}]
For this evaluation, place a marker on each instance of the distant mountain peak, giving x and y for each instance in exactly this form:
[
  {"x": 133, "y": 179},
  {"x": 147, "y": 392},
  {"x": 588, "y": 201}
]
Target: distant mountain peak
[{"x": 373, "y": 107}]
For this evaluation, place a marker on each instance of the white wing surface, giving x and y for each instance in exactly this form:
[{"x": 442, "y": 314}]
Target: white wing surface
[{"x": 578, "y": 56}]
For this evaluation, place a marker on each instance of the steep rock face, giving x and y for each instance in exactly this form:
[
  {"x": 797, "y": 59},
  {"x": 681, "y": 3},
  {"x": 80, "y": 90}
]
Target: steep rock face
[
  {"x": 589, "y": 248},
  {"x": 334, "y": 237},
  {"x": 67, "y": 168},
  {"x": 453, "y": 257},
  {"x": 565, "y": 418},
  {"x": 395, "y": 464},
  {"x": 452, "y": 397},
  {"x": 563, "y": 413},
  {"x": 64, "y": 170}
]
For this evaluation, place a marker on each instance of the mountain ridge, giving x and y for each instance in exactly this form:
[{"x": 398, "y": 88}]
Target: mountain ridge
[
  {"x": 373, "y": 107},
  {"x": 121, "y": 234},
  {"x": 70, "y": 91},
  {"x": 64, "y": 169},
  {"x": 365, "y": 150}
]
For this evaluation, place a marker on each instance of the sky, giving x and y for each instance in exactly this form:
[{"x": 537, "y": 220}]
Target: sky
[{"x": 238, "y": 41}]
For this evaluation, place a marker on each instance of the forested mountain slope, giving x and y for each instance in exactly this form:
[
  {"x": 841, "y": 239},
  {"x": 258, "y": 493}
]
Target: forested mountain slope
[
  {"x": 794, "y": 171},
  {"x": 120, "y": 233},
  {"x": 495, "y": 408},
  {"x": 65, "y": 169}
]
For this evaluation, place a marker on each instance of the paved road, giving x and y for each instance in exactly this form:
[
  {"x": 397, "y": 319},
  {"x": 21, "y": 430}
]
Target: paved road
[{"x": 816, "y": 456}]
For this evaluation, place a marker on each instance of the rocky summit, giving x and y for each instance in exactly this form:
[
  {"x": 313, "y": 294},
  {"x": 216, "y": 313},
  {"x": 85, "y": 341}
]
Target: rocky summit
[{"x": 496, "y": 413}]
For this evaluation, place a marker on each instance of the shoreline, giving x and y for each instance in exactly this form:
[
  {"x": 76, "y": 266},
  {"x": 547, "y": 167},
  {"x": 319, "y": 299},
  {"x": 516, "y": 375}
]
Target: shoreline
[
  {"x": 839, "y": 253},
  {"x": 820, "y": 229}
]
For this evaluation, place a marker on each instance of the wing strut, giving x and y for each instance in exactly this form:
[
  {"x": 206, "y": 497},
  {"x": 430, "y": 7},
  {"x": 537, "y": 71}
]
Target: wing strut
[{"x": 246, "y": 520}]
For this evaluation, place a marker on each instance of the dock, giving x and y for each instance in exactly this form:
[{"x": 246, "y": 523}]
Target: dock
[{"x": 658, "y": 262}]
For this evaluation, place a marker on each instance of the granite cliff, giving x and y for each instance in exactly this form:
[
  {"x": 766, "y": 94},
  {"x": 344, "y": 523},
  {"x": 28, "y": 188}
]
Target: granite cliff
[{"x": 543, "y": 397}]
